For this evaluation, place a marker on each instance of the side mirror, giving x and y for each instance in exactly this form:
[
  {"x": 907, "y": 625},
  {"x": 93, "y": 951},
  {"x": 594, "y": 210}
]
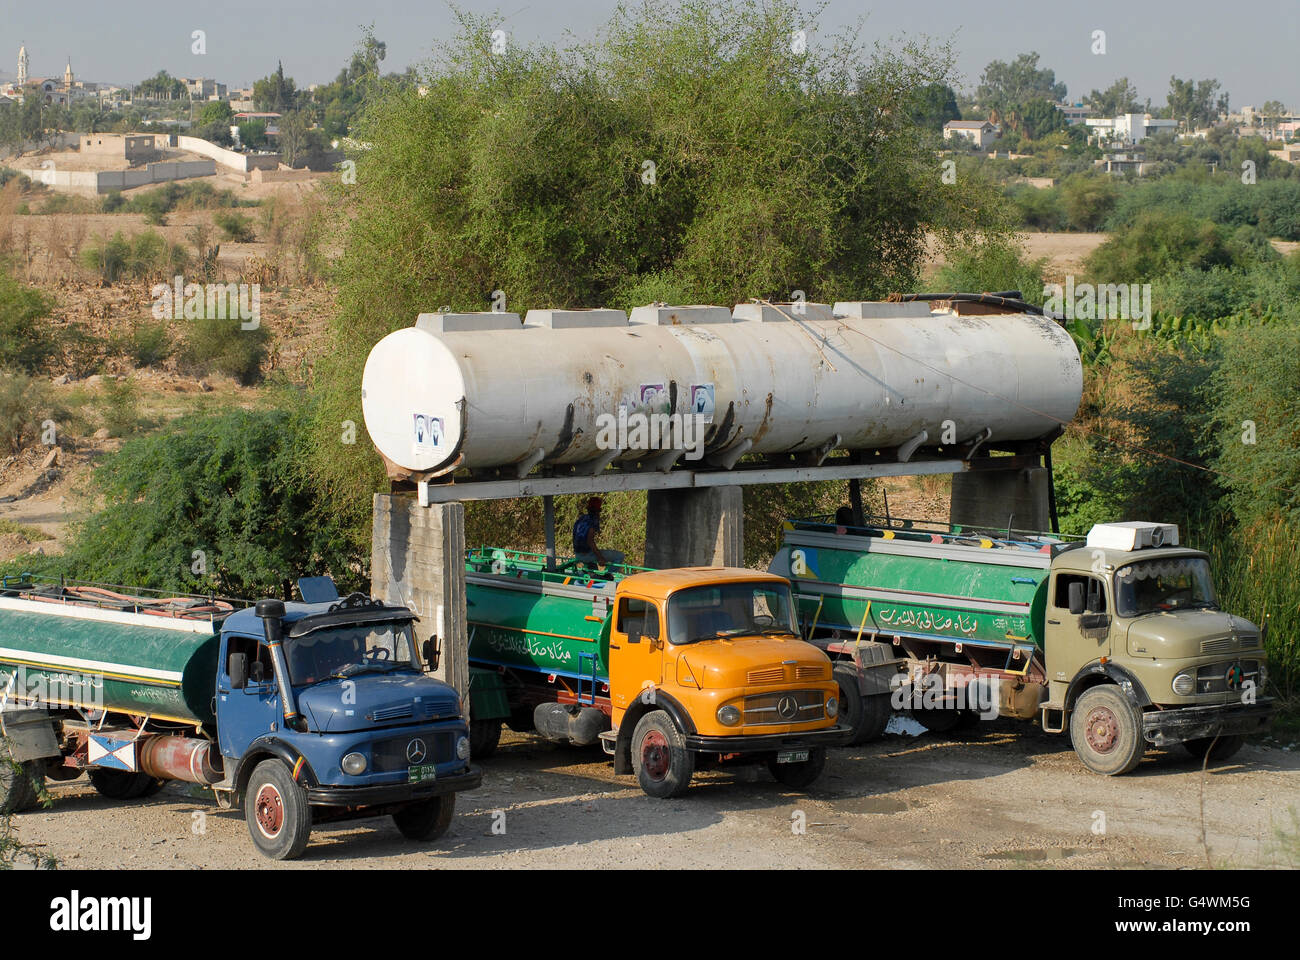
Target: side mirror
[
  {"x": 238, "y": 671},
  {"x": 431, "y": 650},
  {"x": 257, "y": 673},
  {"x": 1076, "y": 599}
]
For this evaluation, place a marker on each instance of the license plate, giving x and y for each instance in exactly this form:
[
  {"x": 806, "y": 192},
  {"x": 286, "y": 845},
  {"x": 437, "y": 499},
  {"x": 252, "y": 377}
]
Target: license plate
[
  {"x": 422, "y": 773},
  {"x": 792, "y": 756}
]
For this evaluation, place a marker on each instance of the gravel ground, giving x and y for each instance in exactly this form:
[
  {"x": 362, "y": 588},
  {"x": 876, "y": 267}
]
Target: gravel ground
[{"x": 1007, "y": 795}]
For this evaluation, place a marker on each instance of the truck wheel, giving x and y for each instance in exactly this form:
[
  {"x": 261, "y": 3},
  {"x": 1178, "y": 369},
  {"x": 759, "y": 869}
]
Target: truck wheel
[
  {"x": 660, "y": 760},
  {"x": 866, "y": 715},
  {"x": 427, "y": 819},
  {"x": 1222, "y": 750},
  {"x": 1106, "y": 731},
  {"x": 18, "y": 784},
  {"x": 944, "y": 720},
  {"x": 799, "y": 775},
  {"x": 484, "y": 735},
  {"x": 121, "y": 784},
  {"x": 279, "y": 819}
]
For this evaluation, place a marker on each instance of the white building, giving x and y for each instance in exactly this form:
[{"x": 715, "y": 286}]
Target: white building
[
  {"x": 979, "y": 132},
  {"x": 1128, "y": 127}
]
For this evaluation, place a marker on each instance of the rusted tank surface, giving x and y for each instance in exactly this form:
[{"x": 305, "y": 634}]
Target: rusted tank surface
[{"x": 567, "y": 387}]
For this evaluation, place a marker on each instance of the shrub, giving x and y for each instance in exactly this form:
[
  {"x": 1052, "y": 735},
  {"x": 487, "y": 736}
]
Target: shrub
[
  {"x": 235, "y": 226},
  {"x": 25, "y": 404},
  {"x": 149, "y": 344},
  {"x": 26, "y": 342},
  {"x": 216, "y": 344},
  {"x": 990, "y": 267}
]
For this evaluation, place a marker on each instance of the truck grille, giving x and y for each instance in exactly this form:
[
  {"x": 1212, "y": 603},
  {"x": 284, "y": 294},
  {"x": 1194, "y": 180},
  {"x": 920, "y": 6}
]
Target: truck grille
[
  {"x": 766, "y": 675},
  {"x": 1213, "y": 677},
  {"x": 1222, "y": 645},
  {"x": 788, "y": 706},
  {"x": 394, "y": 711},
  {"x": 389, "y": 755},
  {"x": 811, "y": 671}
]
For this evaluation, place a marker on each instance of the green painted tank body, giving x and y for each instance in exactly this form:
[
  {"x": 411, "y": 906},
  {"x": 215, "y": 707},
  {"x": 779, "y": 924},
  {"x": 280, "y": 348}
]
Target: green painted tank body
[
  {"x": 523, "y": 616},
  {"x": 883, "y": 582},
  {"x": 119, "y": 662}
]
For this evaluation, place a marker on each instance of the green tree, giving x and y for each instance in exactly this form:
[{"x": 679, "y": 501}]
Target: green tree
[
  {"x": 934, "y": 105},
  {"x": 216, "y": 111},
  {"x": 1040, "y": 117},
  {"x": 275, "y": 93},
  {"x": 1159, "y": 243},
  {"x": 1005, "y": 86},
  {"x": 1088, "y": 199},
  {"x": 1120, "y": 97},
  {"x": 1194, "y": 103},
  {"x": 229, "y": 486}
]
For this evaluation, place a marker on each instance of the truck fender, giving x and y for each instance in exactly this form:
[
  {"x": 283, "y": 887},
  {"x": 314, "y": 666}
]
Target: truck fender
[
  {"x": 639, "y": 708},
  {"x": 265, "y": 747},
  {"x": 1095, "y": 673}
]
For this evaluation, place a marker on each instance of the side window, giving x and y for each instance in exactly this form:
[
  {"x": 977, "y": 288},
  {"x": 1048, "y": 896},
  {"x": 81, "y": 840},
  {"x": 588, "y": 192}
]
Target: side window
[
  {"x": 638, "y": 616},
  {"x": 256, "y": 652},
  {"x": 1093, "y": 593}
]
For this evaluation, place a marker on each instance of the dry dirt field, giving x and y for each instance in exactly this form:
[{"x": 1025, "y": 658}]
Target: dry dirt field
[{"x": 1006, "y": 796}]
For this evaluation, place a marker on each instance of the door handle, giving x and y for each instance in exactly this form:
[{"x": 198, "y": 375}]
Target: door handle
[
  {"x": 615, "y": 646},
  {"x": 1055, "y": 623}
]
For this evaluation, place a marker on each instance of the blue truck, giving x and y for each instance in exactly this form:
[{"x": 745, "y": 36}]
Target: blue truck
[{"x": 307, "y": 712}]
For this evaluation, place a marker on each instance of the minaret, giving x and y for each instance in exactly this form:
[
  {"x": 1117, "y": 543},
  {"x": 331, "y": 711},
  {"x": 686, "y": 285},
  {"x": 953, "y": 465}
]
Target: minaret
[
  {"x": 22, "y": 65},
  {"x": 67, "y": 74}
]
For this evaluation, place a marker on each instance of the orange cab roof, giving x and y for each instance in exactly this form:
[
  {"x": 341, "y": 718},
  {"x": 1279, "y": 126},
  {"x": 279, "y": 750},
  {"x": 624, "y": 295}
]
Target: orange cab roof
[{"x": 660, "y": 583}]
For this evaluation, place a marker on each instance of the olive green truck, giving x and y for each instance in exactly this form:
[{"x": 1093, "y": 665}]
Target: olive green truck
[{"x": 1117, "y": 637}]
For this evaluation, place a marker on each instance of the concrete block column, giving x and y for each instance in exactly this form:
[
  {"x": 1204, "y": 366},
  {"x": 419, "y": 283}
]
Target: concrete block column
[
  {"x": 1000, "y": 498},
  {"x": 418, "y": 561},
  {"x": 695, "y": 527}
]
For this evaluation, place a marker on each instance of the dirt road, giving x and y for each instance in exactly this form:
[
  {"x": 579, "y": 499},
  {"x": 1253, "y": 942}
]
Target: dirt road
[{"x": 1006, "y": 796}]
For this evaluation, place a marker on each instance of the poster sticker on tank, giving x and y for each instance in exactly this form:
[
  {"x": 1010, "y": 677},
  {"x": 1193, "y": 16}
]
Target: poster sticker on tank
[
  {"x": 702, "y": 401},
  {"x": 653, "y": 398},
  {"x": 428, "y": 433}
]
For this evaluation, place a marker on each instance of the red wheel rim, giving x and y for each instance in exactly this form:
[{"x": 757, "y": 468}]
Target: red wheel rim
[
  {"x": 268, "y": 811},
  {"x": 1102, "y": 729},
  {"x": 655, "y": 756}
]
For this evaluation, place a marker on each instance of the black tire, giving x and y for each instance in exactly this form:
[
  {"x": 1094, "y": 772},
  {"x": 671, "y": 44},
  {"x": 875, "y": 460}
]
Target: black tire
[
  {"x": 121, "y": 784},
  {"x": 1224, "y": 748},
  {"x": 427, "y": 819},
  {"x": 852, "y": 713},
  {"x": 1106, "y": 730},
  {"x": 799, "y": 776},
  {"x": 18, "y": 784},
  {"x": 484, "y": 735},
  {"x": 276, "y": 810},
  {"x": 660, "y": 760},
  {"x": 947, "y": 720}
]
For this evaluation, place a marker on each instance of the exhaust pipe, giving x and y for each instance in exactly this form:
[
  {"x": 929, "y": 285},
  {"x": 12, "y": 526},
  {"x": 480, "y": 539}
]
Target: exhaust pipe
[{"x": 271, "y": 613}]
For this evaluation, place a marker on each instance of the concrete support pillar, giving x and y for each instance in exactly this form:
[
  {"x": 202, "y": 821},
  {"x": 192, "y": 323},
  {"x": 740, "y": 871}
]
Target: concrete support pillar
[
  {"x": 695, "y": 527},
  {"x": 1000, "y": 498},
  {"x": 418, "y": 561}
]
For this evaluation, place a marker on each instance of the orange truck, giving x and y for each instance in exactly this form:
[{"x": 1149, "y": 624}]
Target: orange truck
[{"x": 669, "y": 670}]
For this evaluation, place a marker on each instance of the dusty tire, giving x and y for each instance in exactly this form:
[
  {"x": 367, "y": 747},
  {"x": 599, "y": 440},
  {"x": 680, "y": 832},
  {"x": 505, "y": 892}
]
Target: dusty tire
[
  {"x": 276, "y": 811},
  {"x": 799, "y": 776},
  {"x": 876, "y": 710},
  {"x": 944, "y": 721},
  {"x": 660, "y": 760},
  {"x": 1224, "y": 748},
  {"x": 852, "y": 703},
  {"x": 18, "y": 785},
  {"x": 427, "y": 819},
  {"x": 1106, "y": 730},
  {"x": 484, "y": 735},
  {"x": 122, "y": 785}
]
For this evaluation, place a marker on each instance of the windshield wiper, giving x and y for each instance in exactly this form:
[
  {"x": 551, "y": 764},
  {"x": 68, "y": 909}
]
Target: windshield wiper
[{"x": 352, "y": 669}]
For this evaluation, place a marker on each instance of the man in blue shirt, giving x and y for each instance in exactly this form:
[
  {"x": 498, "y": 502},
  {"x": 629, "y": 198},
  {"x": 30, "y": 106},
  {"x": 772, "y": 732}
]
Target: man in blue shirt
[{"x": 584, "y": 538}]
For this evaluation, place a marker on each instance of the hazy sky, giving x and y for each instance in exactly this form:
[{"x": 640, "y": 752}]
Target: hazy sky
[{"x": 1250, "y": 46}]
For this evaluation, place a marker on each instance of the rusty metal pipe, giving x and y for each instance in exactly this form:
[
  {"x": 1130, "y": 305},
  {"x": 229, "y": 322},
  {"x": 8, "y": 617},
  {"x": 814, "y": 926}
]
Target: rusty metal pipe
[{"x": 178, "y": 758}]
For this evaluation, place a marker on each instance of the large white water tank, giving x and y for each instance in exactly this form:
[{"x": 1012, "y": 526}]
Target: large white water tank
[{"x": 484, "y": 390}]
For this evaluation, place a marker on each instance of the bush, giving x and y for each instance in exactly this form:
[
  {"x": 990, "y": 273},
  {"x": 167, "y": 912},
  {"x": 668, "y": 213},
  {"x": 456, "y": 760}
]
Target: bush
[
  {"x": 149, "y": 344},
  {"x": 216, "y": 344},
  {"x": 25, "y": 404},
  {"x": 230, "y": 486},
  {"x": 1157, "y": 244},
  {"x": 235, "y": 227},
  {"x": 146, "y": 256},
  {"x": 1088, "y": 199},
  {"x": 993, "y": 267},
  {"x": 121, "y": 412},
  {"x": 26, "y": 342}
]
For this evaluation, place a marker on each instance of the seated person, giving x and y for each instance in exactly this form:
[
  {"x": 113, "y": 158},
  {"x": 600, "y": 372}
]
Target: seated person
[{"x": 585, "y": 530}]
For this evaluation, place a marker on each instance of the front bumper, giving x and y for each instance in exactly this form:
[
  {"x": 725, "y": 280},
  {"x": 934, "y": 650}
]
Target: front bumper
[
  {"x": 768, "y": 742},
  {"x": 390, "y": 793},
  {"x": 1165, "y": 727}
]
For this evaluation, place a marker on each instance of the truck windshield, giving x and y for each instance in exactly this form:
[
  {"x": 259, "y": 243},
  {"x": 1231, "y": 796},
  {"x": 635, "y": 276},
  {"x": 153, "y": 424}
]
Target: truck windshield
[
  {"x": 728, "y": 610},
  {"x": 1152, "y": 586},
  {"x": 345, "y": 651}
]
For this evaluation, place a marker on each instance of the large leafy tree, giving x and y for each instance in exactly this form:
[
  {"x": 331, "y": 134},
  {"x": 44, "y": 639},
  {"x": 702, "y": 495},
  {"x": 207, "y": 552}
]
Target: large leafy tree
[
  {"x": 696, "y": 153},
  {"x": 275, "y": 93},
  {"x": 1120, "y": 97},
  {"x": 1008, "y": 86}
]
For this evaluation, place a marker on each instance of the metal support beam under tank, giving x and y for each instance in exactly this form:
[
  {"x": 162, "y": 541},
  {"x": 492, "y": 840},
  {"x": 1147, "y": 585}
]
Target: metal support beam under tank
[{"x": 612, "y": 481}]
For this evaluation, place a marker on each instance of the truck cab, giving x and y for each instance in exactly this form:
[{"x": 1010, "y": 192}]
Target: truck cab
[
  {"x": 326, "y": 705},
  {"x": 706, "y": 665},
  {"x": 1138, "y": 651}
]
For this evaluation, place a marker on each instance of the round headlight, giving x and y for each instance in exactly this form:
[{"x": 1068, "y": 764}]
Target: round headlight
[
  {"x": 832, "y": 707},
  {"x": 728, "y": 715},
  {"x": 462, "y": 748},
  {"x": 1184, "y": 684},
  {"x": 354, "y": 764}
]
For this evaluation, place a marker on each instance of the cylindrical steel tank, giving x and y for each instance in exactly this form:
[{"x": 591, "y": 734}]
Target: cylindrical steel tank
[{"x": 768, "y": 379}]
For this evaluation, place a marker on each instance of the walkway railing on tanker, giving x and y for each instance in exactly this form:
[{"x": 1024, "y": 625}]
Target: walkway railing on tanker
[
  {"x": 534, "y": 566},
  {"x": 935, "y": 531},
  {"x": 118, "y": 598}
]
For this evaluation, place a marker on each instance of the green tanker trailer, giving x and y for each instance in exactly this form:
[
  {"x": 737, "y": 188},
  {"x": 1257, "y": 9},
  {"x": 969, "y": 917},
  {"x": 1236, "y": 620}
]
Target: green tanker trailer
[
  {"x": 307, "y": 712},
  {"x": 1116, "y": 637}
]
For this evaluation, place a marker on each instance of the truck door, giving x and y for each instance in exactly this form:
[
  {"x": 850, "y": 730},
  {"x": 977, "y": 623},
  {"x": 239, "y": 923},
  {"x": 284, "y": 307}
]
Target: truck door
[
  {"x": 252, "y": 710},
  {"x": 636, "y": 650},
  {"x": 1079, "y": 635}
]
